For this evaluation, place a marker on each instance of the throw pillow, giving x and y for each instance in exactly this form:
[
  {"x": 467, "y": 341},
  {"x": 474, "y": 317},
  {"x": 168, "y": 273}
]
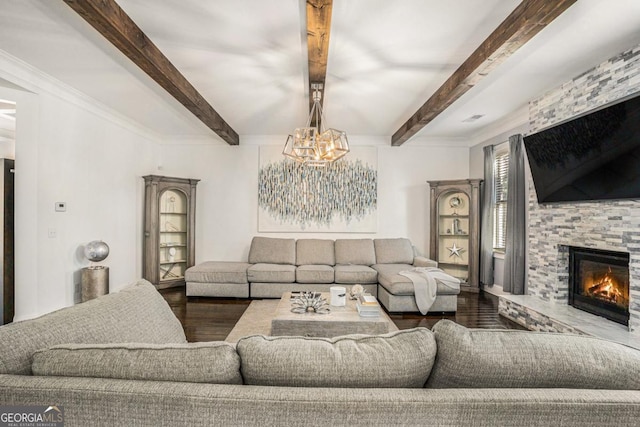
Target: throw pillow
[
  {"x": 213, "y": 362},
  {"x": 398, "y": 359},
  {"x": 485, "y": 358}
]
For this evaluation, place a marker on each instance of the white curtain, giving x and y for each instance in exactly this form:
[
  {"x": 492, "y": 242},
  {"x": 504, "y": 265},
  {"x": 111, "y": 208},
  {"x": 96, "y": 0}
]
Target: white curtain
[
  {"x": 486, "y": 225},
  {"x": 514, "y": 257}
]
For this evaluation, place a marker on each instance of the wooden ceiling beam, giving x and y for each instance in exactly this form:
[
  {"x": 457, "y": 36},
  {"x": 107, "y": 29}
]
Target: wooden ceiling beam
[
  {"x": 526, "y": 20},
  {"x": 318, "y": 31},
  {"x": 117, "y": 27}
]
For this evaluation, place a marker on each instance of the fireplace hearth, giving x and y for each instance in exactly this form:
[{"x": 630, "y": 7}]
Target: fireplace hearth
[{"x": 599, "y": 282}]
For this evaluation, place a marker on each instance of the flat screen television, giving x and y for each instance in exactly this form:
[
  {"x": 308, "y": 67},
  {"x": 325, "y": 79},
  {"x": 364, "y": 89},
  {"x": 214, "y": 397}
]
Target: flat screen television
[{"x": 592, "y": 157}]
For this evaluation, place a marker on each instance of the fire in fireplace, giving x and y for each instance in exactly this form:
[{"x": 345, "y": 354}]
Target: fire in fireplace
[
  {"x": 599, "y": 282},
  {"x": 605, "y": 287}
]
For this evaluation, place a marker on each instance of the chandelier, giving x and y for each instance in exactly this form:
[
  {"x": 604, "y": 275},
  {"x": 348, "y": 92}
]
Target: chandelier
[{"x": 313, "y": 145}]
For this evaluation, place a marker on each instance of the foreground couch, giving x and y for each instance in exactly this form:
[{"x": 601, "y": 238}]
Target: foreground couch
[
  {"x": 450, "y": 376},
  {"x": 278, "y": 265}
]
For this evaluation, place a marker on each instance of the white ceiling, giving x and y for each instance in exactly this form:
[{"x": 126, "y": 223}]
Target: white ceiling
[{"x": 248, "y": 59}]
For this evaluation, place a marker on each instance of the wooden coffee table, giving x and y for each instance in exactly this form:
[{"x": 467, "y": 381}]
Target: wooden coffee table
[{"x": 340, "y": 321}]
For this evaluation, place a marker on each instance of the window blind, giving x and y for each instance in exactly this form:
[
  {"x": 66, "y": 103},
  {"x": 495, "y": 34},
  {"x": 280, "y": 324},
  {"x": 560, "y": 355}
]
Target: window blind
[{"x": 501, "y": 185}]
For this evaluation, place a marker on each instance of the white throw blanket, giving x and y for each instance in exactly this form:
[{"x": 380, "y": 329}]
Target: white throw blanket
[{"x": 425, "y": 285}]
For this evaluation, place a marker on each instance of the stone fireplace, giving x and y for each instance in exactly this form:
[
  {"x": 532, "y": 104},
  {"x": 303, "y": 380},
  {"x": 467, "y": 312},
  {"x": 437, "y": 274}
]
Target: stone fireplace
[
  {"x": 599, "y": 283},
  {"x": 599, "y": 225}
]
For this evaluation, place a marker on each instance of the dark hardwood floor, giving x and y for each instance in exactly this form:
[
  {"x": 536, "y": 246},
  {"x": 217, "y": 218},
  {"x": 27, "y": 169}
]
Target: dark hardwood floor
[{"x": 211, "y": 319}]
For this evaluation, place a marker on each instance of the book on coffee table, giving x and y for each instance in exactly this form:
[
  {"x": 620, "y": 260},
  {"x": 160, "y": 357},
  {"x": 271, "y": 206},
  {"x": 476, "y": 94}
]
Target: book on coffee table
[
  {"x": 368, "y": 299},
  {"x": 368, "y": 308}
]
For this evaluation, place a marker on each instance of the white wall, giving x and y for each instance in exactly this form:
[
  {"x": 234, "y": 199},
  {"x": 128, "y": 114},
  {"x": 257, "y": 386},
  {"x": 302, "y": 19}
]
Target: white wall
[
  {"x": 95, "y": 167},
  {"x": 69, "y": 149},
  {"x": 227, "y": 203}
]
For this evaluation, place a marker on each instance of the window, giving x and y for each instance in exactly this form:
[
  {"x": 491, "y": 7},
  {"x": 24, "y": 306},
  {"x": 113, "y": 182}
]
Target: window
[{"x": 500, "y": 176}]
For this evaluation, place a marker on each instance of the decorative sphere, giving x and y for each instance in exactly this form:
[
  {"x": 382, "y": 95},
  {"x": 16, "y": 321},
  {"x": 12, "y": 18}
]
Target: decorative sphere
[{"x": 96, "y": 251}]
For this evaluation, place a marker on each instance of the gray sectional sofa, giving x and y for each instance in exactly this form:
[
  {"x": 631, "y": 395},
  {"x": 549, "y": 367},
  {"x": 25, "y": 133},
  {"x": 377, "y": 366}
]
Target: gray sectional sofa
[
  {"x": 275, "y": 266},
  {"x": 123, "y": 360}
]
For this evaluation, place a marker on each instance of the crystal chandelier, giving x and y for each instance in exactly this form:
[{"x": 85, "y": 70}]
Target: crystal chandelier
[{"x": 313, "y": 145}]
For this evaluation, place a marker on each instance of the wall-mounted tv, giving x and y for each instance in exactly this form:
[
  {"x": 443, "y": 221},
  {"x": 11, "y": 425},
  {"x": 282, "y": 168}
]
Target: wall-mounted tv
[{"x": 592, "y": 157}]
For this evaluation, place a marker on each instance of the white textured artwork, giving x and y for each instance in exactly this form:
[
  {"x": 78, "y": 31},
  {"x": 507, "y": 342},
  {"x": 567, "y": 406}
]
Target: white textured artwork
[{"x": 341, "y": 197}]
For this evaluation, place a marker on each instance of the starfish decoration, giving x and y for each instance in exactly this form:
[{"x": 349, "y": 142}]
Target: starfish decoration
[{"x": 455, "y": 251}]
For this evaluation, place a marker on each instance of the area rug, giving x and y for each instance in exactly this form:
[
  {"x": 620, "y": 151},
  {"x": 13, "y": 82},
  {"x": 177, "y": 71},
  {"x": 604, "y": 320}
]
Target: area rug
[{"x": 256, "y": 319}]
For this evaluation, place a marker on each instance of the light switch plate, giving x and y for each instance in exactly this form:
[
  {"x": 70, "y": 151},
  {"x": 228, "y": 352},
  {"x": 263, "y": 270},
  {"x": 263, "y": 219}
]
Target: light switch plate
[{"x": 61, "y": 206}]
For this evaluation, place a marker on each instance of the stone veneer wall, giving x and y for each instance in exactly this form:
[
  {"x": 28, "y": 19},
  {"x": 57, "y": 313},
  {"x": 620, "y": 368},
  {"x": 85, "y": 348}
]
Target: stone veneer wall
[{"x": 611, "y": 225}]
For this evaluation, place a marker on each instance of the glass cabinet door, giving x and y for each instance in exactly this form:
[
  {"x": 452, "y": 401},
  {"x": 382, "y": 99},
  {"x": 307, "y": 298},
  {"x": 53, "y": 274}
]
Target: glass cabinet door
[
  {"x": 453, "y": 234},
  {"x": 173, "y": 234}
]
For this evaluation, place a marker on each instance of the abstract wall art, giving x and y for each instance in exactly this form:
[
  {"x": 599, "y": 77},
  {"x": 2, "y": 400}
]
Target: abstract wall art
[{"x": 341, "y": 197}]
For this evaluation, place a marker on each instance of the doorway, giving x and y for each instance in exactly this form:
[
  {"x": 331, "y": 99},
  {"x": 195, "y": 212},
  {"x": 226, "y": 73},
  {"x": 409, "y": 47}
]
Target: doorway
[{"x": 7, "y": 168}]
